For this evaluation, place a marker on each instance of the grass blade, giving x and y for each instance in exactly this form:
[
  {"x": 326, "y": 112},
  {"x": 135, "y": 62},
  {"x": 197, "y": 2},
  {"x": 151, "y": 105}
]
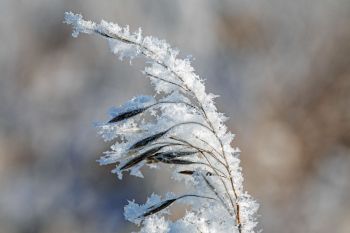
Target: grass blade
[
  {"x": 126, "y": 115},
  {"x": 173, "y": 161},
  {"x": 176, "y": 154},
  {"x": 148, "y": 140},
  {"x": 188, "y": 172},
  {"x": 164, "y": 204},
  {"x": 158, "y": 207},
  {"x": 141, "y": 157}
]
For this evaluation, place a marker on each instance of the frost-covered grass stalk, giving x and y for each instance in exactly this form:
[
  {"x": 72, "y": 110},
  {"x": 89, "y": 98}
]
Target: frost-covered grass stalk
[{"x": 179, "y": 127}]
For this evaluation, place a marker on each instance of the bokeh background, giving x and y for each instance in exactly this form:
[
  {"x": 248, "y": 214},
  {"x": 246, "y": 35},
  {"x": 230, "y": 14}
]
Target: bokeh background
[{"x": 281, "y": 68}]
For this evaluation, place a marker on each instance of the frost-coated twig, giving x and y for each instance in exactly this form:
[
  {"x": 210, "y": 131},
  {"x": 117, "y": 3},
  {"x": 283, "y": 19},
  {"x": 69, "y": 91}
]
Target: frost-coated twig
[{"x": 182, "y": 129}]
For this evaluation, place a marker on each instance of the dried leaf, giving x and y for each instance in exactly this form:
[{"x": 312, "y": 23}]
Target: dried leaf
[
  {"x": 164, "y": 204},
  {"x": 181, "y": 161},
  {"x": 148, "y": 140},
  {"x": 210, "y": 185},
  {"x": 127, "y": 115},
  {"x": 173, "y": 161},
  {"x": 141, "y": 157},
  {"x": 176, "y": 154},
  {"x": 188, "y": 172},
  {"x": 158, "y": 207}
]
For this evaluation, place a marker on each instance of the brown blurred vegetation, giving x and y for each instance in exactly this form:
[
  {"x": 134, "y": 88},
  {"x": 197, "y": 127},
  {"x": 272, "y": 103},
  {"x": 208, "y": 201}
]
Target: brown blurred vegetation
[{"x": 282, "y": 69}]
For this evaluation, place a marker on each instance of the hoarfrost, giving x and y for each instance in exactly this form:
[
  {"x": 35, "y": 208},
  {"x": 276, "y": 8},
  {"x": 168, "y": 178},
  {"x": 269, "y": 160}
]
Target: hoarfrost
[{"x": 181, "y": 128}]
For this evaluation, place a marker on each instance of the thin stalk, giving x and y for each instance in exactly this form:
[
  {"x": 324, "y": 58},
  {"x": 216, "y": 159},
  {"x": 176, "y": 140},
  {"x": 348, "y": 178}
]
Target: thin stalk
[
  {"x": 167, "y": 81},
  {"x": 196, "y": 148},
  {"x": 173, "y": 102},
  {"x": 199, "y": 149},
  {"x": 222, "y": 181},
  {"x": 211, "y": 147},
  {"x": 217, "y": 194}
]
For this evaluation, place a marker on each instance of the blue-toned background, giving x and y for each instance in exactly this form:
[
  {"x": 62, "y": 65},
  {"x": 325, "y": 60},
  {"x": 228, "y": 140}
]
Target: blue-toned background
[{"x": 281, "y": 68}]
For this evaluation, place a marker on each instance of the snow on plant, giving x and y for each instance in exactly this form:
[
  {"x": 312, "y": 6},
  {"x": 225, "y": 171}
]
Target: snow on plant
[{"x": 179, "y": 127}]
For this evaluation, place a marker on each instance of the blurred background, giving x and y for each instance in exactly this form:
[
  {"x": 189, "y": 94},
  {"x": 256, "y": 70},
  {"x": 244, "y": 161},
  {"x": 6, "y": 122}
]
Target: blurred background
[{"x": 281, "y": 68}]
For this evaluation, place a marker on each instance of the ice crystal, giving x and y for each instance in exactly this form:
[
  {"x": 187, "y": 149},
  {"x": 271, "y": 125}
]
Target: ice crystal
[{"x": 179, "y": 127}]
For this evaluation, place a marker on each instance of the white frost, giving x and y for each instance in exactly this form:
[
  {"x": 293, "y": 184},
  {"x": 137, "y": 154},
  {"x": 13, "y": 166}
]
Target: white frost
[{"x": 189, "y": 119}]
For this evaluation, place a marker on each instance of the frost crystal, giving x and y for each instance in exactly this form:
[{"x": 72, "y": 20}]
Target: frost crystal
[{"x": 179, "y": 127}]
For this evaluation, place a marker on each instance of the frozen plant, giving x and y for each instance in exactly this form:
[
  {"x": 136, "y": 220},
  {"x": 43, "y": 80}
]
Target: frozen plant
[{"x": 179, "y": 127}]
